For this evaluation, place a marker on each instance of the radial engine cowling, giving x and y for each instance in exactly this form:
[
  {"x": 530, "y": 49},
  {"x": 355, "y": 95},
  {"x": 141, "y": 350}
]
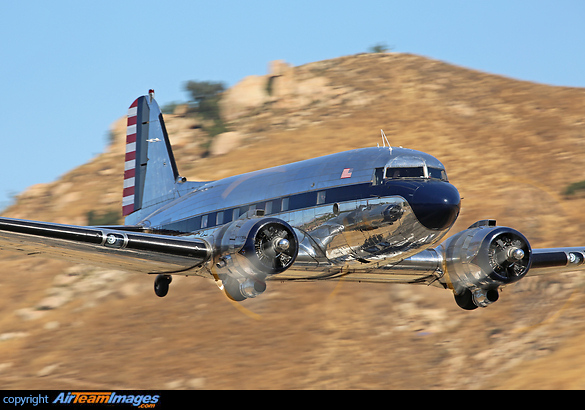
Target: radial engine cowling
[
  {"x": 482, "y": 258},
  {"x": 249, "y": 250}
]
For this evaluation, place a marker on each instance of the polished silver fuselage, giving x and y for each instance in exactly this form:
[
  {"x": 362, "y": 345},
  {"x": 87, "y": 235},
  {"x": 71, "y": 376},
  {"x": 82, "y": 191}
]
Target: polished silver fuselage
[{"x": 348, "y": 218}]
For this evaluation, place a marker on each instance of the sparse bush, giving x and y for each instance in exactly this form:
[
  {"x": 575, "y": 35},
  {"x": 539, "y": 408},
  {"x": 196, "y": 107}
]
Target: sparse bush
[
  {"x": 169, "y": 108},
  {"x": 205, "y": 97},
  {"x": 573, "y": 188},
  {"x": 105, "y": 218},
  {"x": 379, "y": 48}
]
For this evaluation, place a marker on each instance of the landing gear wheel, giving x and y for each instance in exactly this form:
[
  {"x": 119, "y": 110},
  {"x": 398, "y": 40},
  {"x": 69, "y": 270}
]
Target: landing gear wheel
[
  {"x": 161, "y": 285},
  {"x": 465, "y": 300},
  {"x": 232, "y": 289}
]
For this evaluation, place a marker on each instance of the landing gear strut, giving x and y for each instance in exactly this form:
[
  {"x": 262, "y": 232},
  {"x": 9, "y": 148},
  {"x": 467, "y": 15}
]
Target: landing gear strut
[{"x": 161, "y": 285}]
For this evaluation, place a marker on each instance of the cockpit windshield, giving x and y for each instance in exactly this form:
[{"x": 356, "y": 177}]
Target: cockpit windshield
[
  {"x": 416, "y": 172},
  {"x": 405, "y": 172}
]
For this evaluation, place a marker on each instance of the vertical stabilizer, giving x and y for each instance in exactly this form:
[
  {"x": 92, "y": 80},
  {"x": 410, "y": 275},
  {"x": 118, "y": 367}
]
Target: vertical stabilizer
[{"x": 150, "y": 171}]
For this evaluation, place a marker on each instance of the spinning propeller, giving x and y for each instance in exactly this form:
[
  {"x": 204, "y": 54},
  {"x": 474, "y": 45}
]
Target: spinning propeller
[
  {"x": 275, "y": 246},
  {"x": 508, "y": 255}
]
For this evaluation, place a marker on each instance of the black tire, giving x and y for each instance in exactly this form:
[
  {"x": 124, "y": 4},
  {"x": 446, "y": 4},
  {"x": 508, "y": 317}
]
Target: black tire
[
  {"x": 231, "y": 288},
  {"x": 161, "y": 285},
  {"x": 465, "y": 300}
]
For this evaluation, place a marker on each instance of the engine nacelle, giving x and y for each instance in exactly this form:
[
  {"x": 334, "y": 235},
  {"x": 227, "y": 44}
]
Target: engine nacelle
[
  {"x": 482, "y": 258},
  {"x": 250, "y": 249}
]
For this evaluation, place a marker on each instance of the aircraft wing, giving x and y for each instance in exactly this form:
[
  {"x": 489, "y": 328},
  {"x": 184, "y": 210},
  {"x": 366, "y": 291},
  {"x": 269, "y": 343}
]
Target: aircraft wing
[
  {"x": 476, "y": 262},
  {"x": 557, "y": 260},
  {"x": 117, "y": 248}
]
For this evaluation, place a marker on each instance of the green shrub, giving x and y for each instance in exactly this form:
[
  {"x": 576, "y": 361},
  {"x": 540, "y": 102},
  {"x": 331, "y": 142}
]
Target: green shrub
[
  {"x": 104, "y": 218},
  {"x": 574, "y": 187},
  {"x": 379, "y": 48},
  {"x": 205, "y": 97}
]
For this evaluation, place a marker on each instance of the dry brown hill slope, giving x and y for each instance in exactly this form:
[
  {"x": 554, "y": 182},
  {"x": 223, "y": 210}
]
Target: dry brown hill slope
[{"x": 511, "y": 147}]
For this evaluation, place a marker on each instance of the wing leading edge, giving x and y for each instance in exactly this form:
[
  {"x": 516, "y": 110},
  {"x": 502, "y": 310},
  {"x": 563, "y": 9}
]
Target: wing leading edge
[{"x": 133, "y": 251}]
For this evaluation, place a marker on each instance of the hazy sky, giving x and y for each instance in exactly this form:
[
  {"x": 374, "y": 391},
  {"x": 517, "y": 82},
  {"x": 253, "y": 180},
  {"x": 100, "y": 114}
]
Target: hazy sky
[{"x": 71, "y": 68}]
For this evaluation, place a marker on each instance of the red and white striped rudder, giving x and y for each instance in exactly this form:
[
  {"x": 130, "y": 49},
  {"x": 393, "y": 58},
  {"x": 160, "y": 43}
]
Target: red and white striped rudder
[
  {"x": 150, "y": 171},
  {"x": 128, "y": 197}
]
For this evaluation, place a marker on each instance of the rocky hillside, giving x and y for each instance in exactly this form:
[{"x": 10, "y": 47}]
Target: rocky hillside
[{"x": 511, "y": 147}]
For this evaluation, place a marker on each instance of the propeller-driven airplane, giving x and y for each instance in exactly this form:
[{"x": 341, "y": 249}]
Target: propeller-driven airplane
[{"x": 372, "y": 215}]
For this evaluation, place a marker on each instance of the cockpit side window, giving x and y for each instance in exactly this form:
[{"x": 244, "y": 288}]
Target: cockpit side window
[
  {"x": 378, "y": 176},
  {"x": 437, "y": 173},
  {"x": 405, "y": 172}
]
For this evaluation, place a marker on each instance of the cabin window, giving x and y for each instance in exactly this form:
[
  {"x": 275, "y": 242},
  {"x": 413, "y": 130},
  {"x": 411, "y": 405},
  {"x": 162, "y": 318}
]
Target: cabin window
[
  {"x": 194, "y": 224},
  {"x": 321, "y": 197},
  {"x": 268, "y": 207},
  {"x": 211, "y": 220},
  {"x": 276, "y": 205},
  {"x": 284, "y": 204},
  {"x": 219, "y": 218},
  {"x": 227, "y": 216},
  {"x": 405, "y": 172},
  {"x": 204, "y": 222},
  {"x": 236, "y": 214}
]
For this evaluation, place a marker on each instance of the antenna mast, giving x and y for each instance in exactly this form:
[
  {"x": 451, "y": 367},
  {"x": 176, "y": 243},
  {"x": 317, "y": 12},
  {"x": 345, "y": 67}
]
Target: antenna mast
[{"x": 385, "y": 140}]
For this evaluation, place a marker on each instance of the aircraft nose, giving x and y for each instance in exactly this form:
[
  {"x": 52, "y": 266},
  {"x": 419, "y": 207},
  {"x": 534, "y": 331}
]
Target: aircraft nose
[{"x": 436, "y": 204}]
